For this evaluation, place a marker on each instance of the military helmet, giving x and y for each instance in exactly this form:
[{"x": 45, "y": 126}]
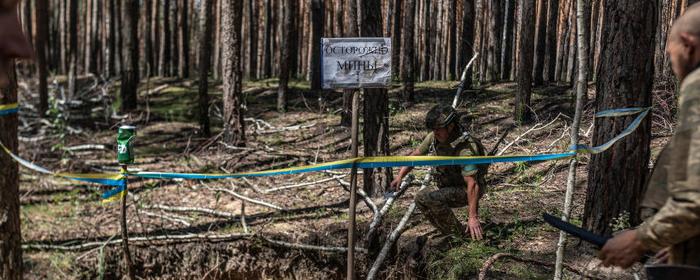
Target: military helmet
[{"x": 440, "y": 116}]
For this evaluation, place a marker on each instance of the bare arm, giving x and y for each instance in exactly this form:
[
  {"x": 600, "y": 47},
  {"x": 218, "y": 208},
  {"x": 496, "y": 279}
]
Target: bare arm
[
  {"x": 473, "y": 200},
  {"x": 403, "y": 171}
]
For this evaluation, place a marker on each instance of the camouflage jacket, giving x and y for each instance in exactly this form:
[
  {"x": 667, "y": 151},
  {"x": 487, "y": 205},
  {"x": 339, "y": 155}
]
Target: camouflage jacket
[
  {"x": 457, "y": 145},
  {"x": 674, "y": 186}
]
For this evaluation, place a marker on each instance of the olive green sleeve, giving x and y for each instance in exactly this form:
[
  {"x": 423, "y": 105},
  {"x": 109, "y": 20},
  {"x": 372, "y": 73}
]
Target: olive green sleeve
[
  {"x": 468, "y": 169},
  {"x": 424, "y": 147},
  {"x": 679, "y": 217}
]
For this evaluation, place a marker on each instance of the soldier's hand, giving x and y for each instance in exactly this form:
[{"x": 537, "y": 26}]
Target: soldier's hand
[
  {"x": 622, "y": 250},
  {"x": 662, "y": 256},
  {"x": 475, "y": 228},
  {"x": 395, "y": 184}
]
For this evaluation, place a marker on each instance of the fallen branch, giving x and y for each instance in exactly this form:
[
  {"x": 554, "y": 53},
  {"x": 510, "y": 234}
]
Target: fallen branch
[
  {"x": 303, "y": 184},
  {"x": 490, "y": 261},
  {"x": 245, "y": 198},
  {"x": 140, "y": 239},
  {"x": 365, "y": 198},
  {"x": 535, "y": 127},
  {"x": 395, "y": 234},
  {"x": 166, "y": 217},
  {"x": 192, "y": 209},
  {"x": 379, "y": 216},
  {"x": 85, "y": 147},
  {"x": 311, "y": 247}
]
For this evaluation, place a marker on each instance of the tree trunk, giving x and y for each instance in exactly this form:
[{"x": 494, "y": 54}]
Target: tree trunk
[
  {"x": 72, "y": 45},
  {"x": 252, "y": 40},
  {"x": 130, "y": 67},
  {"x": 164, "y": 56},
  {"x": 231, "y": 41},
  {"x": 396, "y": 34},
  {"x": 42, "y": 30},
  {"x": 184, "y": 41},
  {"x": 316, "y": 33},
  {"x": 616, "y": 177},
  {"x": 467, "y": 41},
  {"x": 205, "y": 32},
  {"x": 155, "y": 34},
  {"x": 540, "y": 42},
  {"x": 425, "y": 67},
  {"x": 148, "y": 38},
  {"x": 216, "y": 33},
  {"x": 174, "y": 40},
  {"x": 551, "y": 43},
  {"x": 376, "y": 107},
  {"x": 494, "y": 45},
  {"x": 286, "y": 54},
  {"x": 350, "y": 31},
  {"x": 10, "y": 235},
  {"x": 527, "y": 28},
  {"x": 563, "y": 38},
  {"x": 507, "y": 52},
  {"x": 267, "y": 47},
  {"x": 407, "y": 68}
]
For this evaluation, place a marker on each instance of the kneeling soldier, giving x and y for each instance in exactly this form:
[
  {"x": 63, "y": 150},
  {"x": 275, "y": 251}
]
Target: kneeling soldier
[{"x": 457, "y": 185}]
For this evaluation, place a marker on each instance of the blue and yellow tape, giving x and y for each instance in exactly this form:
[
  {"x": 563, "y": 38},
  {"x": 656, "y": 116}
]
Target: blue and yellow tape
[
  {"x": 119, "y": 179},
  {"x": 9, "y": 109}
]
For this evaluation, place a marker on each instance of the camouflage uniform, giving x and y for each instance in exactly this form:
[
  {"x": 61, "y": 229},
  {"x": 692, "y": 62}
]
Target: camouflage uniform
[
  {"x": 674, "y": 187},
  {"x": 450, "y": 189}
]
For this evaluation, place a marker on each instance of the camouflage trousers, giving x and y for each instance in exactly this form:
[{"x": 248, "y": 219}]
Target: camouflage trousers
[{"x": 436, "y": 203}]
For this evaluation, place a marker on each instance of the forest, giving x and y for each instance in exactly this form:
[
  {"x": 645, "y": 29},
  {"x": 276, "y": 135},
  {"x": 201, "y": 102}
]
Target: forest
[{"x": 222, "y": 88}]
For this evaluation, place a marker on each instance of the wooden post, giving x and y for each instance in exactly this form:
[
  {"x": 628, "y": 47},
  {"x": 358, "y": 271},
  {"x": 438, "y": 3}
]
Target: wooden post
[
  {"x": 353, "y": 186},
  {"x": 125, "y": 231}
]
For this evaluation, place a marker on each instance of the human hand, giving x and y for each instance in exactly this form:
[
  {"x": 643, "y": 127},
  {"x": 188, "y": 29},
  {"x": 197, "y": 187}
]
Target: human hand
[
  {"x": 474, "y": 228},
  {"x": 662, "y": 256},
  {"x": 622, "y": 250},
  {"x": 395, "y": 184}
]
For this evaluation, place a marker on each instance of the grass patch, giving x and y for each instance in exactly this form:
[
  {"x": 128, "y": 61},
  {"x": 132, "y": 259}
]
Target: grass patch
[{"x": 459, "y": 262}]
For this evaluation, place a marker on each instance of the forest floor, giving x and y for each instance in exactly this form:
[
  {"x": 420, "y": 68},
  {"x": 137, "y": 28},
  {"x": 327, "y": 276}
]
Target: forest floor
[{"x": 69, "y": 233}]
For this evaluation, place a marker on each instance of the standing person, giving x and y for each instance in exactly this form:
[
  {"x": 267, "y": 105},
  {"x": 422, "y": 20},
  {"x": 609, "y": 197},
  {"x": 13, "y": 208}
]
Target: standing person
[
  {"x": 675, "y": 184},
  {"x": 457, "y": 185}
]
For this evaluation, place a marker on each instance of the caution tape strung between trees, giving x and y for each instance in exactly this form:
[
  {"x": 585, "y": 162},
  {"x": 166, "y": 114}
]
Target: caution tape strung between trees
[
  {"x": 119, "y": 179},
  {"x": 8, "y": 109}
]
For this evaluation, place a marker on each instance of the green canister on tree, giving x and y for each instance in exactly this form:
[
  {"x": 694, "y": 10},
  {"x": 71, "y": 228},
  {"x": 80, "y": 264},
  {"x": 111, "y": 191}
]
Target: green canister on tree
[{"x": 125, "y": 143}]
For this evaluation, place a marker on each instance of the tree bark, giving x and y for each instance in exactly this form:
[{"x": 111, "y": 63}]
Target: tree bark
[
  {"x": 72, "y": 45},
  {"x": 407, "y": 65},
  {"x": 184, "y": 41},
  {"x": 551, "y": 40},
  {"x": 351, "y": 30},
  {"x": 174, "y": 39},
  {"x": 164, "y": 52},
  {"x": 10, "y": 234},
  {"x": 155, "y": 34},
  {"x": 148, "y": 38},
  {"x": 425, "y": 67},
  {"x": 231, "y": 41},
  {"x": 396, "y": 34},
  {"x": 616, "y": 177},
  {"x": 452, "y": 43},
  {"x": 540, "y": 42},
  {"x": 376, "y": 107},
  {"x": 527, "y": 28},
  {"x": 42, "y": 30},
  {"x": 205, "y": 34},
  {"x": 252, "y": 40},
  {"x": 267, "y": 41},
  {"x": 507, "y": 52},
  {"x": 494, "y": 45},
  {"x": 286, "y": 54},
  {"x": 316, "y": 33},
  {"x": 130, "y": 67}
]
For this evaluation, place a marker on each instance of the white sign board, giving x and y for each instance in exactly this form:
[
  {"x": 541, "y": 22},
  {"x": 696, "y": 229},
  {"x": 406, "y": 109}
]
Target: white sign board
[{"x": 355, "y": 62}]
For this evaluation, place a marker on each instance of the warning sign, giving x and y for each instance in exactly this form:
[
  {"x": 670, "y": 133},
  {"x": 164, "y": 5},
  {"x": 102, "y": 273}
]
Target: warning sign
[{"x": 355, "y": 62}]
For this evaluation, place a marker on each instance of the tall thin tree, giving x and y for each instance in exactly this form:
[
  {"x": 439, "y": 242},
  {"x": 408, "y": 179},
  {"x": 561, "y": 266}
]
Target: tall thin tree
[
  {"x": 164, "y": 52},
  {"x": 616, "y": 177},
  {"x": 231, "y": 42},
  {"x": 407, "y": 49},
  {"x": 526, "y": 44},
  {"x": 184, "y": 41},
  {"x": 130, "y": 67},
  {"x": 205, "y": 27},
  {"x": 376, "y": 106},
  {"x": 10, "y": 231},
  {"x": 540, "y": 42},
  {"x": 42, "y": 30},
  {"x": 285, "y": 54},
  {"x": 551, "y": 41}
]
